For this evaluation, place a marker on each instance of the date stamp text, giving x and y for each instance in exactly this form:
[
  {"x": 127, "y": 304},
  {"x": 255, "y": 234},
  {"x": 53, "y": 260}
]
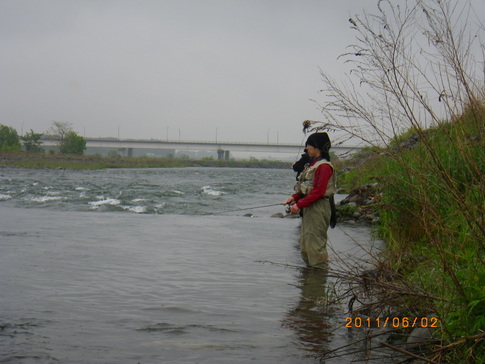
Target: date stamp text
[{"x": 394, "y": 322}]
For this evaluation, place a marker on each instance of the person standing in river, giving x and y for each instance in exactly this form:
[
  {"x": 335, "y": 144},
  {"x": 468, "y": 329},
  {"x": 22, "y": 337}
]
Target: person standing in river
[
  {"x": 300, "y": 164},
  {"x": 316, "y": 184}
]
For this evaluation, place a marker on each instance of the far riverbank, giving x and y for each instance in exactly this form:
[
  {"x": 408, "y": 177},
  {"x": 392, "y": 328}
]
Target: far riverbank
[{"x": 69, "y": 161}]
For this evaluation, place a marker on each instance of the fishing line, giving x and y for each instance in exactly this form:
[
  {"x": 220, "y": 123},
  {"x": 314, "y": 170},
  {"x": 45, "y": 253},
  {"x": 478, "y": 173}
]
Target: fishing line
[
  {"x": 248, "y": 208},
  {"x": 299, "y": 149},
  {"x": 260, "y": 207}
]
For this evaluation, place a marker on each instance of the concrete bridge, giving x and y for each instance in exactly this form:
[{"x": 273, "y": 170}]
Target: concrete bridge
[{"x": 223, "y": 149}]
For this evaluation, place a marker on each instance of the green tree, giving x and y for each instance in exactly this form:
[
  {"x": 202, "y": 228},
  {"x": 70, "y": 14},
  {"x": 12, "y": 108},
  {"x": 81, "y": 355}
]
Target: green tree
[
  {"x": 73, "y": 144},
  {"x": 59, "y": 130},
  {"x": 69, "y": 141},
  {"x": 32, "y": 142},
  {"x": 9, "y": 139}
]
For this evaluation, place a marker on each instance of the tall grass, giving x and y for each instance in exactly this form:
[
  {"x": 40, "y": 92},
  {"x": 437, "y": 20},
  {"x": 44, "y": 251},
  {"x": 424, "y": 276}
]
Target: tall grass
[
  {"x": 434, "y": 216},
  {"x": 417, "y": 71},
  {"x": 432, "y": 219}
]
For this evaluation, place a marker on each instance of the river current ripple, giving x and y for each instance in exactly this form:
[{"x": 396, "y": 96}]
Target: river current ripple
[{"x": 145, "y": 266}]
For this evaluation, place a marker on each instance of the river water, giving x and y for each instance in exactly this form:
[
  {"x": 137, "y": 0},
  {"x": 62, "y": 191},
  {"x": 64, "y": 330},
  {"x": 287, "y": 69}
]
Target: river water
[{"x": 162, "y": 266}]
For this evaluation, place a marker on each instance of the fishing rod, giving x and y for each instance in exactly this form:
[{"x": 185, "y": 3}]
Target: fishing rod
[{"x": 249, "y": 208}]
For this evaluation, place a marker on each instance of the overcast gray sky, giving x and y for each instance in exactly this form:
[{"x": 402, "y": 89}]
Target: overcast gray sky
[{"x": 238, "y": 70}]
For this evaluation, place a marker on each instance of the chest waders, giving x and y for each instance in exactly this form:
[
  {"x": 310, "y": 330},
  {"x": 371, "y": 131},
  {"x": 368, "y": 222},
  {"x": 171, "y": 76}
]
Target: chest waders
[{"x": 316, "y": 218}]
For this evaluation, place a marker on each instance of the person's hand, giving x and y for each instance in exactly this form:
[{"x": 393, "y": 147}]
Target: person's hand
[
  {"x": 295, "y": 209},
  {"x": 290, "y": 201}
]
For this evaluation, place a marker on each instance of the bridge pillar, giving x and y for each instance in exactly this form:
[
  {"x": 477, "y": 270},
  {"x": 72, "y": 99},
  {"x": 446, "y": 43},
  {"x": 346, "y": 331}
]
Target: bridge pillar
[
  {"x": 223, "y": 154},
  {"x": 125, "y": 152}
]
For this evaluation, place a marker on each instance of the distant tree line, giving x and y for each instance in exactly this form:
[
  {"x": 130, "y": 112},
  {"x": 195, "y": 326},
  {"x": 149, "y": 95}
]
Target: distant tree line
[{"x": 69, "y": 142}]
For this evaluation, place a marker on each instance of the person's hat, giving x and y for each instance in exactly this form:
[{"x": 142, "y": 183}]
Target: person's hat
[{"x": 319, "y": 140}]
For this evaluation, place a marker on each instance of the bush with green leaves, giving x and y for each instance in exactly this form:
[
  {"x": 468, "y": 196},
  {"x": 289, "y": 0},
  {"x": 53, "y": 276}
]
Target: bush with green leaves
[
  {"x": 32, "y": 142},
  {"x": 9, "y": 139},
  {"x": 69, "y": 141},
  {"x": 73, "y": 144}
]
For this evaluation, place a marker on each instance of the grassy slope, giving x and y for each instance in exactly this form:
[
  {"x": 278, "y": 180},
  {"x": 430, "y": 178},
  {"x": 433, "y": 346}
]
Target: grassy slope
[{"x": 432, "y": 218}]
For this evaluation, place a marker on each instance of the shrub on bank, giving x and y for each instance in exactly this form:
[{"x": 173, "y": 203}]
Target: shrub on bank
[{"x": 432, "y": 221}]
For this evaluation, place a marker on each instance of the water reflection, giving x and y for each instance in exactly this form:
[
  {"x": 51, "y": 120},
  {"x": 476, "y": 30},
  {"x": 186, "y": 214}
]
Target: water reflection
[{"x": 309, "y": 318}]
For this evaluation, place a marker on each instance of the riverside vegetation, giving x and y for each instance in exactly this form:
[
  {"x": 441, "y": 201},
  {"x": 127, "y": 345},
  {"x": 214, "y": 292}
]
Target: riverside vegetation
[
  {"x": 77, "y": 161},
  {"x": 430, "y": 199},
  {"x": 415, "y": 94}
]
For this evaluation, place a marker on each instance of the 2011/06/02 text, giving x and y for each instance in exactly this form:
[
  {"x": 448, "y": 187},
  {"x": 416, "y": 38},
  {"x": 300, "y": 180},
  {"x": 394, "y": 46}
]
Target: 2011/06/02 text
[{"x": 396, "y": 322}]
